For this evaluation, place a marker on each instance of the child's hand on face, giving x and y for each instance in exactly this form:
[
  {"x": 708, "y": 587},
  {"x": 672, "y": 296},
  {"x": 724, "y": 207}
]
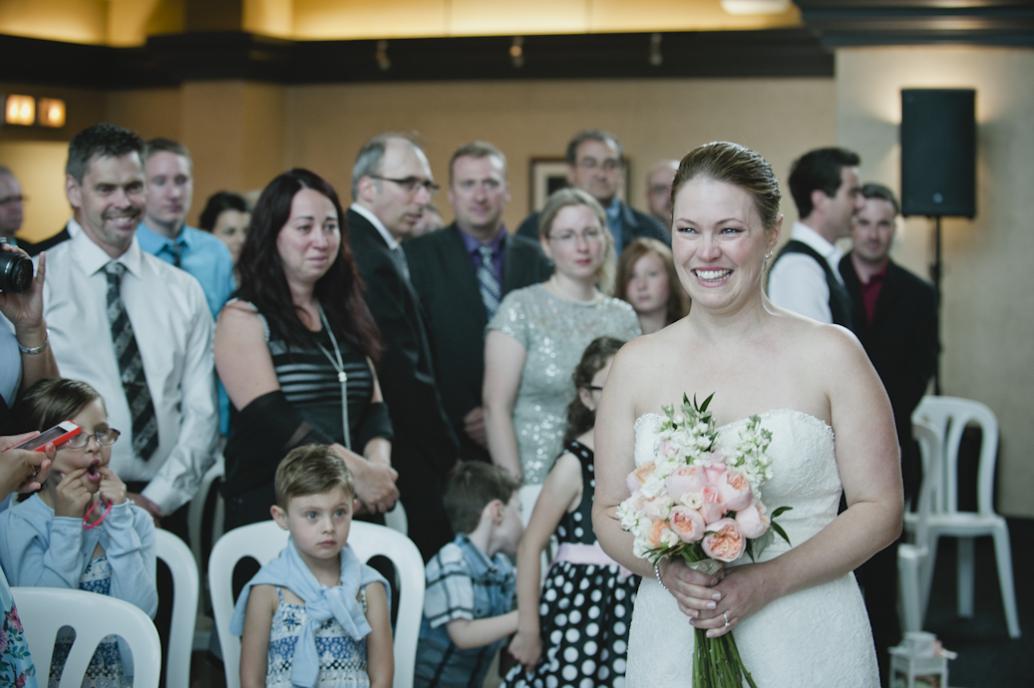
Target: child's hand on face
[
  {"x": 112, "y": 488},
  {"x": 71, "y": 495}
]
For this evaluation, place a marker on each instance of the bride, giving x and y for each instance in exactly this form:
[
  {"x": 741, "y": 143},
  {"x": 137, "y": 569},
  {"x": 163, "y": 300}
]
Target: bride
[{"x": 797, "y": 613}]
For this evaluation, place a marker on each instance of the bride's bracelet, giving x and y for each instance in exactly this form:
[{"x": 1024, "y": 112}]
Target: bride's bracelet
[{"x": 657, "y": 574}]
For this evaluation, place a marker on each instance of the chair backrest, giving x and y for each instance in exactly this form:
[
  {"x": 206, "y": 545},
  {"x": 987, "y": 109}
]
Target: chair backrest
[
  {"x": 44, "y": 611},
  {"x": 185, "y": 590},
  {"x": 196, "y": 510},
  {"x": 263, "y": 541},
  {"x": 950, "y": 416},
  {"x": 370, "y": 540},
  {"x": 931, "y": 453}
]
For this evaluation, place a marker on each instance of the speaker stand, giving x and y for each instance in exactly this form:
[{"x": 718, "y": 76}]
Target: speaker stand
[{"x": 936, "y": 271}]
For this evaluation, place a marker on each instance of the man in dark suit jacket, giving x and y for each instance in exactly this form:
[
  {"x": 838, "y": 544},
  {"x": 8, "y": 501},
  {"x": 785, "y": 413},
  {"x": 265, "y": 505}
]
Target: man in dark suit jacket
[
  {"x": 895, "y": 317},
  {"x": 595, "y": 164},
  {"x": 391, "y": 183},
  {"x": 461, "y": 273}
]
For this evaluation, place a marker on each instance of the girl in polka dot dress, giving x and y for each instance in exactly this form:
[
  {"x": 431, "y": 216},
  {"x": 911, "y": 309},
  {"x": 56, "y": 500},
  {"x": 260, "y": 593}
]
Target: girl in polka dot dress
[{"x": 574, "y": 631}]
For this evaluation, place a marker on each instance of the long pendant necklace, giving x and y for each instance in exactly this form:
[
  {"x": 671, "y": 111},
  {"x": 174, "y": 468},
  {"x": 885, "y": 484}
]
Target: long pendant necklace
[{"x": 342, "y": 377}]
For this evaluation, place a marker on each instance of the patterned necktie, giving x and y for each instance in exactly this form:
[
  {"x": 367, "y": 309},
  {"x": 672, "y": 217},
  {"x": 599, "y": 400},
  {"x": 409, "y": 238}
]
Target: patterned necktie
[
  {"x": 400, "y": 261},
  {"x": 176, "y": 249},
  {"x": 488, "y": 283},
  {"x": 131, "y": 367}
]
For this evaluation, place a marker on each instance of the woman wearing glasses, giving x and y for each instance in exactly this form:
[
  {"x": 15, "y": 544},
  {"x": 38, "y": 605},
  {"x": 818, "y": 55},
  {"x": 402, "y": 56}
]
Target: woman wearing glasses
[
  {"x": 80, "y": 530},
  {"x": 539, "y": 333}
]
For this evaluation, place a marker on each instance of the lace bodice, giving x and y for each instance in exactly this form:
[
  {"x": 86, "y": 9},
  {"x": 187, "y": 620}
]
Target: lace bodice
[{"x": 818, "y": 636}]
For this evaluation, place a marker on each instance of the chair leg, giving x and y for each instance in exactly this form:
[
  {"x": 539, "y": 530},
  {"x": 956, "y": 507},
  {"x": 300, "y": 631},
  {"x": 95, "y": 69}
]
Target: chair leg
[
  {"x": 1003, "y": 555},
  {"x": 926, "y": 572},
  {"x": 965, "y": 582},
  {"x": 908, "y": 591}
]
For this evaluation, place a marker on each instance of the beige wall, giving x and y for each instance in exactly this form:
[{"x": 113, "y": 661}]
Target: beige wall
[
  {"x": 654, "y": 119},
  {"x": 988, "y": 324}
]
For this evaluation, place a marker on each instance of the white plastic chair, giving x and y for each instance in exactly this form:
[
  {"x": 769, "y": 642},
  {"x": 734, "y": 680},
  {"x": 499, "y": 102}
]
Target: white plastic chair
[
  {"x": 196, "y": 511},
  {"x": 263, "y": 541},
  {"x": 914, "y": 564},
  {"x": 185, "y": 590},
  {"x": 396, "y": 518},
  {"x": 950, "y": 416},
  {"x": 44, "y": 611}
]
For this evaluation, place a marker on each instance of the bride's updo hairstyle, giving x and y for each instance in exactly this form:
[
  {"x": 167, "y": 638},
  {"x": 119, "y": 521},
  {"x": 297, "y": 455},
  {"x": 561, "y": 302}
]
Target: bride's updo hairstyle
[{"x": 734, "y": 164}]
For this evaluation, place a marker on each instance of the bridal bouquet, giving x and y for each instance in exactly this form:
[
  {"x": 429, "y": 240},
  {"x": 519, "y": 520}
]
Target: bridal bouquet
[{"x": 695, "y": 502}]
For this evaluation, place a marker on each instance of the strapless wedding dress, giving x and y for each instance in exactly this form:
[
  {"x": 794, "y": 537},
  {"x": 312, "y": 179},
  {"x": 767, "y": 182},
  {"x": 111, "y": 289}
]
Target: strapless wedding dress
[{"x": 815, "y": 638}]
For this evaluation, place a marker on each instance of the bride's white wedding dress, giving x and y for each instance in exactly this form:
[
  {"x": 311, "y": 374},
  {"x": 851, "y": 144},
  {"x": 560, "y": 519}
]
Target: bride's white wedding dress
[{"x": 814, "y": 638}]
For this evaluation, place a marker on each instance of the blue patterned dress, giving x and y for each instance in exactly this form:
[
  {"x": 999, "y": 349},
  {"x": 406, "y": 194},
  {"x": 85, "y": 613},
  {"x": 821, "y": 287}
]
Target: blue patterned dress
[
  {"x": 105, "y": 669},
  {"x": 342, "y": 659}
]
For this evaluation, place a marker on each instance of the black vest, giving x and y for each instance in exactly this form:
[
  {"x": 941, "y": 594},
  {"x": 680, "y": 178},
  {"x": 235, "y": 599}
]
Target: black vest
[{"x": 839, "y": 299}]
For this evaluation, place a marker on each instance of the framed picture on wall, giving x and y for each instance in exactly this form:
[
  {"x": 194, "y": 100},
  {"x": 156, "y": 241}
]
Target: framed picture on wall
[{"x": 545, "y": 176}]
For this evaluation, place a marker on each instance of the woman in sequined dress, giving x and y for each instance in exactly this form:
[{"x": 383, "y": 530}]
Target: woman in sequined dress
[{"x": 538, "y": 334}]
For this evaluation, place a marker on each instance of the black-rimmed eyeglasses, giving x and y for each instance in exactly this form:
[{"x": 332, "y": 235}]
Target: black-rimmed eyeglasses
[{"x": 410, "y": 184}]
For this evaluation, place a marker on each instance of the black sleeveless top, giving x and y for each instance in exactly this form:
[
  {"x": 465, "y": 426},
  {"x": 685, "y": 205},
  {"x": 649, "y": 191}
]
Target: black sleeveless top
[
  {"x": 839, "y": 300},
  {"x": 576, "y": 526}
]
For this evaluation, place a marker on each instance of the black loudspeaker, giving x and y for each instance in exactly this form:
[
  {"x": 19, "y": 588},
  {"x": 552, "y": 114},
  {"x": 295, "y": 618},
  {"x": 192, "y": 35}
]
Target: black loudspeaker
[{"x": 938, "y": 152}]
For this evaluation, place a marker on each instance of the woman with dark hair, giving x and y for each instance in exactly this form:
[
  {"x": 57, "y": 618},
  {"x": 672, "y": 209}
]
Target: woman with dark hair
[
  {"x": 295, "y": 346},
  {"x": 226, "y": 215}
]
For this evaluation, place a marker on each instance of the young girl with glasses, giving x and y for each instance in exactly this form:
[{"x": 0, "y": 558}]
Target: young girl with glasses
[{"x": 80, "y": 530}]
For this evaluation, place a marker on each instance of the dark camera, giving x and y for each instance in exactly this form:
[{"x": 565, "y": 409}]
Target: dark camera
[{"x": 15, "y": 272}]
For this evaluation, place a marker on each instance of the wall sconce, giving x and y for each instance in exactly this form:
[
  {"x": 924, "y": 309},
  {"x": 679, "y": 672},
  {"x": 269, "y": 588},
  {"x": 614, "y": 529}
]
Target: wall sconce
[
  {"x": 51, "y": 113},
  {"x": 516, "y": 52},
  {"x": 20, "y": 110},
  {"x": 755, "y": 6}
]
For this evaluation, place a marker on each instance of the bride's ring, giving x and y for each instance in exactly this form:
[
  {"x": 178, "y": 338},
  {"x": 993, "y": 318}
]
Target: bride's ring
[{"x": 725, "y": 615}]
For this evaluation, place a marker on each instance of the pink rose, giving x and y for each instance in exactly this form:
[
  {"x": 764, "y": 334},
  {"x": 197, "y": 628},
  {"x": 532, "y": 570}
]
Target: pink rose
[
  {"x": 639, "y": 476},
  {"x": 683, "y": 480},
  {"x": 661, "y": 535},
  {"x": 657, "y": 507},
  {"x": 714, "y": 472},
  {"x": 753, "y": 521},
  {"x": 735, "y": 490},
  {"x": 688, "y": 524},
  {"x": 712, "y": 508},
  {"x": 724, "y": 541}
]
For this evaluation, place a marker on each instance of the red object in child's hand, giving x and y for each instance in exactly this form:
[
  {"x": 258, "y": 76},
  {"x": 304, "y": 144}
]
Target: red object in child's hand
[{"x": 90, "y": 525}]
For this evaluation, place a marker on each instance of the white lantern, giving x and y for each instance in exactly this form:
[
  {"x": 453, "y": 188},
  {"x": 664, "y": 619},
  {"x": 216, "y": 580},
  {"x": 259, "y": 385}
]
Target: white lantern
[{"x": 919, "y": 662}]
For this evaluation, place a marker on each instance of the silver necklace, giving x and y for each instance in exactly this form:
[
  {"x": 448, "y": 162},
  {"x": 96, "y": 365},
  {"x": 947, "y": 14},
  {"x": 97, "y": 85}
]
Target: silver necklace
[{"x": 342, "y": 377}]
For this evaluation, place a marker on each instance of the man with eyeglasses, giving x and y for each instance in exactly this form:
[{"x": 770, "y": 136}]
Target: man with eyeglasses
[
  {"x": 658, "y": 191},
  {"x": 595, "y": 164},
  {"x": 391, "y": 185},
  {"x": 12, "y": 208},
  {"x": 461, "y": 273}
]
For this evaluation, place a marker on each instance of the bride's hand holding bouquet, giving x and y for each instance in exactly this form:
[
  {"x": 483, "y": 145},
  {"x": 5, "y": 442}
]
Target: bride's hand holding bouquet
[{"x": 701, "y": 509}]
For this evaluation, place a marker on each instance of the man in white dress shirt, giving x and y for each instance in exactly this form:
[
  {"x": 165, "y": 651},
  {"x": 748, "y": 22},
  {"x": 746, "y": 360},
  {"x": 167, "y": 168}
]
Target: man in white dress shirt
[
  {"x": 804, "y": 277},
  {"x": 168, "y": 436}
]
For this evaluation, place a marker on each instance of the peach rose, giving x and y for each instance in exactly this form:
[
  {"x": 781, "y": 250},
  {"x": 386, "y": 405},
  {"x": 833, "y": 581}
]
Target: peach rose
[
  {"x": 735, "y": 490},
  {"x": 712, "y": 508},
  {"x": 639, "y": 476},
  {"x": 753, "y": 521},
  {"x": 683, "y": 480},
  {"x": 724, "y": 541},
  {"x": 661, "y": 535},
  {"x": 688, "y": 524}
]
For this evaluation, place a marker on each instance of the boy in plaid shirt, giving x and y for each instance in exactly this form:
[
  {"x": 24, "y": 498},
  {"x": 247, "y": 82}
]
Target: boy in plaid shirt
[{"x": 469, "y": 604}]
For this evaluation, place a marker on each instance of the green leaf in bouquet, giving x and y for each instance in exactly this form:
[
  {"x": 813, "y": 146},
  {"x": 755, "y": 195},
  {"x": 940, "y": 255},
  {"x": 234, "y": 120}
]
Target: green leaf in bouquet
[
  {"x": 780, "y": 511},
  {"x": 782, "y": 533},
  {"x": 707, "y": 402}
]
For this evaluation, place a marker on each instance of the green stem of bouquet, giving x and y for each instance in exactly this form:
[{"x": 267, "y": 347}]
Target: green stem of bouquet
[{"x": 716, "y": 661}]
